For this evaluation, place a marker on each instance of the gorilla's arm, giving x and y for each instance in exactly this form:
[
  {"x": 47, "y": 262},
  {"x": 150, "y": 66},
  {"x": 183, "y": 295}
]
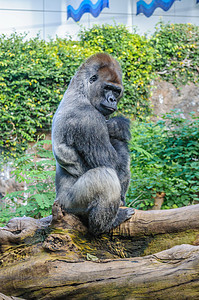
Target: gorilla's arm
[
  {"x": 94, "y": 146},
  {"x": 119, "y": 128},
  {"x": 83, "y": 143},
  {"x": 68, "y": 159},
  {"x": 123, "y": 166},
  {"x": 99, "y": 149},
  {"x": 119, "y": 132}
]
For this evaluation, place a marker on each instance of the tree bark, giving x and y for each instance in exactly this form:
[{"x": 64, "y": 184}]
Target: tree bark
[
  {"x": 163, "y": 275},
  {"x": 56, "y": 258},
  {"x": 160, "y": 221}
]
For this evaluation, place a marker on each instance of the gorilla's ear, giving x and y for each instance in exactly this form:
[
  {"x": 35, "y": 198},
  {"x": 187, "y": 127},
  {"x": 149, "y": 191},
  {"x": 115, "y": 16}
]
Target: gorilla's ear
[{"x": 93, "y": 78}]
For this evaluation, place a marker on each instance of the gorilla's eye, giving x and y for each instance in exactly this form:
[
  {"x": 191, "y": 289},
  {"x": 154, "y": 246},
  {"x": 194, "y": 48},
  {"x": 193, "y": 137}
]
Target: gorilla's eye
[{"x": 93, "y": 78}]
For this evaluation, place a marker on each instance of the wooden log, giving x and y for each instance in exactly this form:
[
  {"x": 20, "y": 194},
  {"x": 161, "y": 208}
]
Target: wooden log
[
  {"x": 55, "y": 258},
  {"x": 160, "y": 221},
  {"x": 166, "y": 275},
  {"x": 141, "y": 223}
]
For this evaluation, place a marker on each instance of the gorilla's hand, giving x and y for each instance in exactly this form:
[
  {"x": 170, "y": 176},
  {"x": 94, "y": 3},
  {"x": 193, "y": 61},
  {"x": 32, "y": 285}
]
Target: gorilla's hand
[{"x": 119, "y": 128}]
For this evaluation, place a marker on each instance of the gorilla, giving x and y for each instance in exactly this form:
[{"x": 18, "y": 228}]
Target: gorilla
[{"x": 91, "y": 149}]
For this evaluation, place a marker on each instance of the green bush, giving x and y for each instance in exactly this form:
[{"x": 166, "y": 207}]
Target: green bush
[
  {"x": 177, "y": 52},
  {"x": 28, "y": 89},
  {"x": 165, "y": 158},
  {"x": 34, "y": 74}
]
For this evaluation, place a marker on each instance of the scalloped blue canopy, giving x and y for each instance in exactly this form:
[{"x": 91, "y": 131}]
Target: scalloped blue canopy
[
  {"x": 85, "y": 6},
  {"x": 148, "y": 8}
]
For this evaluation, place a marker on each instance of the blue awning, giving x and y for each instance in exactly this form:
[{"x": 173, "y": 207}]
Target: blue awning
[
  {"x": 76, "y": 8},
  {"x": 148, "y": 8}
]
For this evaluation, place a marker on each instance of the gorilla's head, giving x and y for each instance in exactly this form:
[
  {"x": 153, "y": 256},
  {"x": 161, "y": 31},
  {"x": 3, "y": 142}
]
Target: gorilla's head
[{"x": 103, "y": 81}]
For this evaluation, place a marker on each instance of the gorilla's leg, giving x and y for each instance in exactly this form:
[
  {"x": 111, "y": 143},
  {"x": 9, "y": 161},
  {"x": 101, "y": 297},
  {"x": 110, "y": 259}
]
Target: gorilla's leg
[
  {"x": 101, "y": 217},
  {"x": 96, "y": 195}
]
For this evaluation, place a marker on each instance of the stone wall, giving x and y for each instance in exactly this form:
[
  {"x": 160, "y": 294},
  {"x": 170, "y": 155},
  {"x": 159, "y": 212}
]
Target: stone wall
[
  {"x": 7, "y": 182},
  {"x": 165, "y": 97}
]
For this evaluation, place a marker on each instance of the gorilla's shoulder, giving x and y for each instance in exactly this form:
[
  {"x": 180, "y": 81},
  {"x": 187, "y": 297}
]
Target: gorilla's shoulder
[{"x": 85, "y": 112}]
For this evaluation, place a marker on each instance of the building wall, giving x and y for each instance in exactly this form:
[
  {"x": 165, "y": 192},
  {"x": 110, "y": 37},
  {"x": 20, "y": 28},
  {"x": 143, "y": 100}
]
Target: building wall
[{"x": 49, "y": 17}]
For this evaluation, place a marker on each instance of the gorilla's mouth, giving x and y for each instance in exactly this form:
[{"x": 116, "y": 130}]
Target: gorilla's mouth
[{"x": 110, "y": 109}]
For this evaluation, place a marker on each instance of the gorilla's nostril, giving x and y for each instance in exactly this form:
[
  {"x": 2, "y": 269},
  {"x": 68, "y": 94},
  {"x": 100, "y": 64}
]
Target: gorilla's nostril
[{"x": 111, "y": 99}]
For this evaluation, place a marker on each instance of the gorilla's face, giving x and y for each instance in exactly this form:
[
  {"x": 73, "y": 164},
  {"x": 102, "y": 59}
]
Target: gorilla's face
[
  {"x": 105, "y": 84},
  {"x": 109, "y": 100}
]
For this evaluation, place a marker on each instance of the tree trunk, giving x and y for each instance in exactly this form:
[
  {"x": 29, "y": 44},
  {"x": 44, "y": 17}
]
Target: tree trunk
[{"x": 56, "y": 258}]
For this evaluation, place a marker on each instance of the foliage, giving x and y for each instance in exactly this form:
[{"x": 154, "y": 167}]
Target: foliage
[
  {"x": 34, "y": 73},
  {"x": 135, "y": 55},
  {"x": 37, "y": 171},
  {"x": 165, "y": 158},
  {"x": 33, "y": 78},
  {"x": 177, "y": 52}
]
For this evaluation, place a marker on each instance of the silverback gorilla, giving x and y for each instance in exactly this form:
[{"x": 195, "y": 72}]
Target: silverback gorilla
[{"x": 91, "y": 151}]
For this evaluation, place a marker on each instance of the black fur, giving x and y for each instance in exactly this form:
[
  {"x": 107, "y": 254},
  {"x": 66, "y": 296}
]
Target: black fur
[{"x": 92, "y": 173}]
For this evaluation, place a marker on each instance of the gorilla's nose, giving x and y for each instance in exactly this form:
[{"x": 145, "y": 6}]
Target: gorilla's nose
[{"x": 111, "y": 99}]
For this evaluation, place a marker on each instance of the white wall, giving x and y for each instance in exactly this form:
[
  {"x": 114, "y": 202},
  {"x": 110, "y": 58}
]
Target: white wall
[
  {"x": 49, "y": 17},
  {"x": 184, "y": 11}
]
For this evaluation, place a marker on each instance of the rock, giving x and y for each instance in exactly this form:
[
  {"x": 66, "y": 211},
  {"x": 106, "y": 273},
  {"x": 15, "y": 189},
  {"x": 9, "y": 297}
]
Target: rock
[
  {"x": 9, "y": 185},
  {"x": 165, "y": 97}
]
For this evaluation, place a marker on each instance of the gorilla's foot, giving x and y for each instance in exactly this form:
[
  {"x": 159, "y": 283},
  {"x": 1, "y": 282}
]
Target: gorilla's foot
[{"x": 123, "y": 214}]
